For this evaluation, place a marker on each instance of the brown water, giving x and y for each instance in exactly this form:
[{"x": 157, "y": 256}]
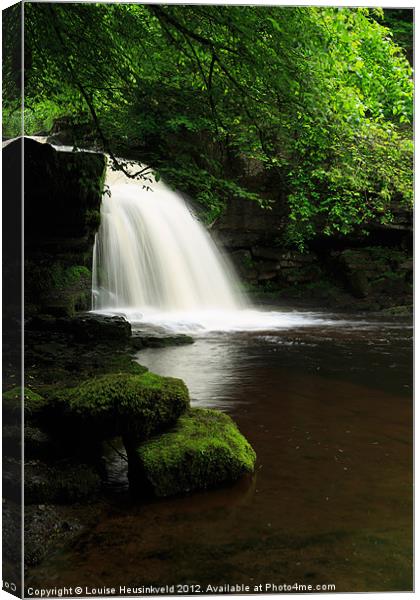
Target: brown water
[{"x": 329, "y": 413}]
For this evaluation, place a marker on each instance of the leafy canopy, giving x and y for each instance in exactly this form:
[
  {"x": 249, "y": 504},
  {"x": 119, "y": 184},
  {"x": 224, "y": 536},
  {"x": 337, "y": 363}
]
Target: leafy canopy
[{"x": 321, "y": 97}]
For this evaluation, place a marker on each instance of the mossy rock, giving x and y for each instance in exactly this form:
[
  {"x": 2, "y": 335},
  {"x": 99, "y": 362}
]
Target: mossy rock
[
  {"x": 204, "y": 449},
  {"x": 34, "y": 404},
  {"x": 399, "y": 311},
  {"x": 134, "y": 406}
]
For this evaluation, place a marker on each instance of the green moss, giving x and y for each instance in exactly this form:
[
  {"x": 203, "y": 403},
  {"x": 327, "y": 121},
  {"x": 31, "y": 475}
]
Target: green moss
[
  {"x": 34, "y": 404},
  {"x": 203, "y": 450},
  {"x": 124, "y": 363},
  {"x": 135, "y": 406},
  {"x": 399, "y": 311}
]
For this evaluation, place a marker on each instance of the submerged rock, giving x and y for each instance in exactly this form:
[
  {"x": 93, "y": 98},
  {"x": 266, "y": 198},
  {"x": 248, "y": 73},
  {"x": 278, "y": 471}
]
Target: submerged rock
[
  {"x": 134, "y": 406},
  {"x": 50, "y": 527},
  {"x": 203, "y": 450}
]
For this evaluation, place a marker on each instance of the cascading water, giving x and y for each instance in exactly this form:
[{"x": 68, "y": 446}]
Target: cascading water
[
  {"x": 157, "y": 265},
  {"x": 154, "y": 263},
  {"x": 152, "y": 254}
]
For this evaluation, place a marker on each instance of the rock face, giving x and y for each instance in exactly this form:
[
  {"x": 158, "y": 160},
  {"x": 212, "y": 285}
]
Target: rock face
[
  {"x": 95, "y": 328},
  {"x": 383, "y": 274},
  {"x": 63, "y": 192},
  {"x": 254, "y": 239},
  {"x": 267, "y": 263},
  {"x": 203, "y": 450}
]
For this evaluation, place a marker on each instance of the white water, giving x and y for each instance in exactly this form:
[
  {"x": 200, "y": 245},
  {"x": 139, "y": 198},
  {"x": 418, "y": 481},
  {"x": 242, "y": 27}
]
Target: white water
[
  {"x": 155, "y": 264},
  {"x": 151, "y": 254}
]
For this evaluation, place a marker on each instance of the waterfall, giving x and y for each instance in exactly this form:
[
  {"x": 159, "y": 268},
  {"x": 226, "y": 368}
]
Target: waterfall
[
  {"x": 152, "y": 254},
  {"x": 155, "y": 264}
]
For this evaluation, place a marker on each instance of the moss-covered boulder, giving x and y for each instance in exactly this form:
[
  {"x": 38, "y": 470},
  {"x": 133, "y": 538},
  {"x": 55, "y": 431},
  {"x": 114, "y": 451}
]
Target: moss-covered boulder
[
  {"x": 134, "y": 406},
  {"x": 34, "y": 404},
  {"x": 203, "y": 450}
]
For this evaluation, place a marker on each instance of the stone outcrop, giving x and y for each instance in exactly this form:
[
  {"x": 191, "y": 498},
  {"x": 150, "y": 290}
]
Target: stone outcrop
[
  {"x": 203, "y": 450},
  {"x": 260, "y": 264},
  {"x": 380, "y": 273},
  {"x": 62, "y": 198}
]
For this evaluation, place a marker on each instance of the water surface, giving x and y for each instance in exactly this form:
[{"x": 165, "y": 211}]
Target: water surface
[{"x": 328, "y": 410}]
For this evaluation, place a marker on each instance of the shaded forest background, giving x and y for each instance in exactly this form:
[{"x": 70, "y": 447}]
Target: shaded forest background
[{"x": 319, "y": 100}]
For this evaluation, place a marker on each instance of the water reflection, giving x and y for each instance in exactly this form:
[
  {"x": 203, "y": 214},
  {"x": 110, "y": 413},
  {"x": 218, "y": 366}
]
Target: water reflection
[
  {"x": 329, "y": 413},
  {"x": 210, "y": 368},
  {"x": 217, "y": 365}
]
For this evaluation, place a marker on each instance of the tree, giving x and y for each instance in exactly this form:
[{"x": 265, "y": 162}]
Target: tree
[{"x": 322, "y": 97}]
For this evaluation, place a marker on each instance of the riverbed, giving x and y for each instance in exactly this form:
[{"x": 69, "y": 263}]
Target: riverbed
[{"x": 328, "y": 409}]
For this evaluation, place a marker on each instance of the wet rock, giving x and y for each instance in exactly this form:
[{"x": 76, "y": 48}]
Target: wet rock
[
  {"x": 38, "y": 444},
  {"x": 12, "y": 440},
  {"x": 96, "y": 328},
  {"x": 12, "y": 479},
  {"x": 59, "y": 484},
  {"x": 203, "y": 450},
  {"x": 11, "y": 531},
  {"x": 244, "y": 263},
  {"x": 49, "y": 527},
  {"x": 359, "y": 284},
  {"x": 268, "y": 253},
  {"x": 267, "y": 269},
  {"x": 379, "y": 274},
  {"x": 140, "y": 341},
  {"x": 62, "y": 213}
]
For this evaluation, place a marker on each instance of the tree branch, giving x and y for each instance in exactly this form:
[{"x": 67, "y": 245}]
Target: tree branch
[{"x": 106, "y": 145}]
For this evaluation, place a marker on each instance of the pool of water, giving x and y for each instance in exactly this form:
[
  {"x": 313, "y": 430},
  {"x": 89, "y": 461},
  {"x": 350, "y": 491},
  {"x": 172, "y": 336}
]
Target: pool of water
[{"x": 328, "y": 409}]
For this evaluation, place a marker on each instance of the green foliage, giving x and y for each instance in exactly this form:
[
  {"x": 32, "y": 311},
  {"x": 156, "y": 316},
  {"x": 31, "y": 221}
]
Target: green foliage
[
  {"x": 321, "y": 97},
  {"x": 203, "y": 450}
]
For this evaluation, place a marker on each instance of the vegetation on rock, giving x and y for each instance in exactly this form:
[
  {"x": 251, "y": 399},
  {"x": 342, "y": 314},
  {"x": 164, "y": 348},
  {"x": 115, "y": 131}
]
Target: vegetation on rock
[
  {"x": 33, "y": 403},
  {"x": 203, "y": 450},
  {"x": 136, "y": 406}
]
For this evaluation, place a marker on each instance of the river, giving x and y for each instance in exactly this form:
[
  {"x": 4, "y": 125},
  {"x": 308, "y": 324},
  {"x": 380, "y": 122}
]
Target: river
[{"x": 328, "y": 409}]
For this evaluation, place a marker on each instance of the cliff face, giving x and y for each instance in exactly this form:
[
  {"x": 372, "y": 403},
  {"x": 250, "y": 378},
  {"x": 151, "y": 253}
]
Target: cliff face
[
  {"x": 374, "y": 270},
  {"x": 62, "y": 198}
]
